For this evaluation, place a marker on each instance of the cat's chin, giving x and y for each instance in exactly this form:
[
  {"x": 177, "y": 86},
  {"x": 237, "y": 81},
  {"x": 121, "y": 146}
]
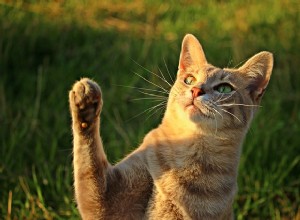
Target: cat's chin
[{"x": 196, "y": 114}]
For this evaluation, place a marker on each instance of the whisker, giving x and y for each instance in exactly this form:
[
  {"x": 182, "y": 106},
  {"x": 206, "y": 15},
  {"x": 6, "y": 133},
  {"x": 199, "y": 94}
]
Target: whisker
[
  {"x": 154, "y": 95},
  {"x": 153, "y": 107},
  {"x": 238, "y": 64},
  {"x": 158, "y": 109},
  {"x": 146, "y": 89},
  {"x": 221, "y": 100},
  {"x": 149, "y": 98},
  {"x": 218, "y": 112},
  {"x": 238, "y": 104},
  {"x": 164, "y": 79},
  {"x": 225, "y": 98},
  {"x": 168, "y": 70},
  {"x": 148, "y": 110},
  {"x": 232, "y": 115},
  {"x": 158, "y": 86},
  {"x": 230, "y": 61},
  {"x": 216, "y": 122},
  {"x": 149, "y": 71}
]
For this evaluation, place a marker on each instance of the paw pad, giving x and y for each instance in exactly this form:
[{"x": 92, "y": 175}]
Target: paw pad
[
  {"x": 85, "y": 102},
  {"x": 84, "y": 125}
]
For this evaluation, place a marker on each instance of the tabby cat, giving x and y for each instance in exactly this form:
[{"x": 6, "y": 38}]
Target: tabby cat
[{"x": 186, "y": 168}]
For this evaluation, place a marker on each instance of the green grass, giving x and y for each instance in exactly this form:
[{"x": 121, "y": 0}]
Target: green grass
[{"x": 45, "y": 46}]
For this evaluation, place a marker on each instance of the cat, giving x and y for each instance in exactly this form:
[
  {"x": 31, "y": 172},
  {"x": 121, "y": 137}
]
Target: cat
[{"x": 186, "y": 168}]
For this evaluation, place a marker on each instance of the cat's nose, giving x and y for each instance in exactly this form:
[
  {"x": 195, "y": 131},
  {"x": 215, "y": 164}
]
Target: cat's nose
[{"x": 197, "y": 92}]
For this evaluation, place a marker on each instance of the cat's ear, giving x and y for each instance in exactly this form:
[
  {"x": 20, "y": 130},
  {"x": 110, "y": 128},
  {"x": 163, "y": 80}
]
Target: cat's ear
[
  {"x": 191, "y": 53},
  {"x": 258, "y": 70}
]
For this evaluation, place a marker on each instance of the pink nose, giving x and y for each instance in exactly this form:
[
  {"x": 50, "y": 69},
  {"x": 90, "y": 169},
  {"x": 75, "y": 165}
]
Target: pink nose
[{"x": 197, "y": 92}]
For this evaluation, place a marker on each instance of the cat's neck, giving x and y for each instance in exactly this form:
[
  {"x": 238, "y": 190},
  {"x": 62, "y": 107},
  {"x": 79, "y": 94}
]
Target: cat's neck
[
  {"x": 205, "y": 139},
  {"x": 187, "y": 129},
  {"x": 195, "y": 146}
]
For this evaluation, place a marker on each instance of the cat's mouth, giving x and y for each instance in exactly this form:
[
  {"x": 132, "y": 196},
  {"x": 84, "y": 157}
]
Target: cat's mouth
[{"x": 196, "y": 109}]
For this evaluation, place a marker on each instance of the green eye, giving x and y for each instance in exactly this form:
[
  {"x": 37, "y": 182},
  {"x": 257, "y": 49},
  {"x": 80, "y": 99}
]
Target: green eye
[
  {"x": 190, "y": 80},
  {"x": 224, "y": 88}
]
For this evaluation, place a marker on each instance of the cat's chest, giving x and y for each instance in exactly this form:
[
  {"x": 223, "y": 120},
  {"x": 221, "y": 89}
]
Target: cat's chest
[
  {"x": 193, "y": 191},
  {"x": 193, "y": 172},
  {"x": 190, "y": 177}
]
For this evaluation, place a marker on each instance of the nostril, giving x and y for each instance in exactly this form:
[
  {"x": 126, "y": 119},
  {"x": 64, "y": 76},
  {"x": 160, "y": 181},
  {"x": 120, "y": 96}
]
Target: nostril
[{"x": 197, "y": 92}]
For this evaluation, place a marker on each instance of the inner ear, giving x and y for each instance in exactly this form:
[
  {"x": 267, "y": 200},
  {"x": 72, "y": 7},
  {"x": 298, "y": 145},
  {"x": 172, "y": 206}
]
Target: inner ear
[
  {"x": 191, "y": 53},
  {"x": 258, "y": 70}
]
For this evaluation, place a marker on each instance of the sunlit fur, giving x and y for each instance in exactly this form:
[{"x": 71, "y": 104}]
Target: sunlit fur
[{"x": 186, "y": 168}]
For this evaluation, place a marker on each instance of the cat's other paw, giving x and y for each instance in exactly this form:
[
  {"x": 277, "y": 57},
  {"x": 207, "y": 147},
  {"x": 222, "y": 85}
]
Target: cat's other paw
[{"x": 85, "y": 102}]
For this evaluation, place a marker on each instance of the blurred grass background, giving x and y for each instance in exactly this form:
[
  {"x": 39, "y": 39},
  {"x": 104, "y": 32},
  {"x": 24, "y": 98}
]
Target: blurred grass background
[{"x": 47, "y": 45}]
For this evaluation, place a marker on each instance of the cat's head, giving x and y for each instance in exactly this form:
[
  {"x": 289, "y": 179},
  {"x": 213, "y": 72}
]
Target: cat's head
[{"x": 215, "y": 97}]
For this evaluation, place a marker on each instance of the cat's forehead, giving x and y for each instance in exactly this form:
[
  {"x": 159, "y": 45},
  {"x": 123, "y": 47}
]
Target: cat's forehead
[
  {"x": 223, "y": 73},
  {"x": 205, "y": 72},
  {"x": 217, "y": 75},
  {"x": 211, "y": 73}
]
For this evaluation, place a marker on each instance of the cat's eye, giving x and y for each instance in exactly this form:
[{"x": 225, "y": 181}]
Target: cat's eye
[
  {"x": 190, "y": 80},
  {"x": 223, "y": 88}
]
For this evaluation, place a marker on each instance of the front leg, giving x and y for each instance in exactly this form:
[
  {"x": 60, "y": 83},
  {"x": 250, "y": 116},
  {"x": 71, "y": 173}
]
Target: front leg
[
  {"x": 90, "y": 163},
  {"x": 103, "y": 191}
]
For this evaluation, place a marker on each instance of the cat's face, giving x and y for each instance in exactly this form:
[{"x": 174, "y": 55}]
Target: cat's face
[
  {"x": 219, "y": 98},
  {"x": 213, "y": 96}
]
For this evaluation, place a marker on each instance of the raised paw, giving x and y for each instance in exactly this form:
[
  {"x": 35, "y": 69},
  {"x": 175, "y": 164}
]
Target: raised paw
[{"x": 85, "y": 102}]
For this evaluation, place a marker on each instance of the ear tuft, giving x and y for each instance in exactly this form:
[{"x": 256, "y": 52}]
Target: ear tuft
[
  {"x": 191, "y": 53},
  {"x": 259, "y": 69}
]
